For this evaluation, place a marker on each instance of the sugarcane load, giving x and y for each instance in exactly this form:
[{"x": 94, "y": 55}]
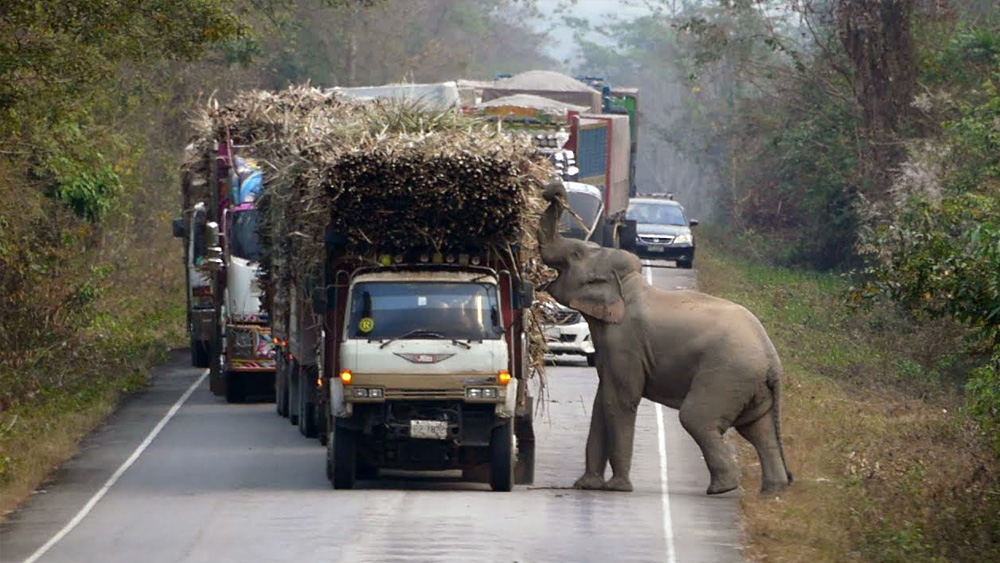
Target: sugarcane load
[{"x": 397, "y": 260}]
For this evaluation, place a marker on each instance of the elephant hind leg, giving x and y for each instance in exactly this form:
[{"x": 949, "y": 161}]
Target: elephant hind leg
[
  {"x": 707, "y": 428},
  {"x": 762, "y": 434}
]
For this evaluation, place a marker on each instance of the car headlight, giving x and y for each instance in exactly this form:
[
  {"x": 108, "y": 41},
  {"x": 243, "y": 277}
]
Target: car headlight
[{"x": 682, "y": 239}]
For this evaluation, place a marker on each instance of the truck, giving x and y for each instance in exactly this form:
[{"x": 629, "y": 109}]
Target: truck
[
  {"x": 590, "y": 148},
  {"x": 397, "y": 274},
  {"x": 427, "y": 362},
  {"x": 229, "y": 333}
]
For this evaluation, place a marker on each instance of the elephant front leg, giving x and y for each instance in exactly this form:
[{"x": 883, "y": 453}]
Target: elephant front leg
[
  {"x": 596, "y": 454},
  {"x": 621, "y": 435}
]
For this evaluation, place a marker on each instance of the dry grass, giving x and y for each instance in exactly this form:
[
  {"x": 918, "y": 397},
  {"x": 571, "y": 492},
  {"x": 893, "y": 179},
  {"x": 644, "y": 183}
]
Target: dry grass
[{"x": 887, "y": 467}]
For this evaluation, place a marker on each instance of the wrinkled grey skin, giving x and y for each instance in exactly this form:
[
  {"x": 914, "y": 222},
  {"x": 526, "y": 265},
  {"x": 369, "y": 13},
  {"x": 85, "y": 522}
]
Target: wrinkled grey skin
[{"x": 705, "y": 356}]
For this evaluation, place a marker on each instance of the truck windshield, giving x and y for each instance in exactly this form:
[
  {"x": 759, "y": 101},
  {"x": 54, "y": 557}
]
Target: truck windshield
[
  {"x": 656, "y": 213},
  {"x": 244, "y": 235},
  {"x": 463, "y": 311},
  {"x": 587, "y": 207}
]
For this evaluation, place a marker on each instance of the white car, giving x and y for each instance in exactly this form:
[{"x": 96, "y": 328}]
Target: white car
[{"x": 570, "y": 334}]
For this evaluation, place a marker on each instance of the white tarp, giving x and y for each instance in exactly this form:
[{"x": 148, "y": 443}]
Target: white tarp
[
  {"x": 548, "y": 84},
  {"x": 441, "y": 96},
  {"x": 547, "y": 105}
]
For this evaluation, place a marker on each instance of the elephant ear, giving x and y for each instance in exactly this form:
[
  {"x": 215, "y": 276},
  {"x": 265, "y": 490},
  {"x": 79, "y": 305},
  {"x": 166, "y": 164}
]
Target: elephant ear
[{"x": 601, "y": 300}]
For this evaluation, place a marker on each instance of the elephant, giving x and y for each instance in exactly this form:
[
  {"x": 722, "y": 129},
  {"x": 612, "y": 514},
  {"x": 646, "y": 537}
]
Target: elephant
[{"x": 707, "y": 357}]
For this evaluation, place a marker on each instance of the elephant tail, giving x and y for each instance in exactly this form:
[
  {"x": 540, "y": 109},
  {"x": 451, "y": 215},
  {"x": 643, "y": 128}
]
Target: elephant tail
[{"x": 774, "y": 384}]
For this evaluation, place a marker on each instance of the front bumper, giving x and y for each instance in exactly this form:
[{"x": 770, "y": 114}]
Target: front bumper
[
  {"x": 684, "y": 252},
  {"x": 569, "y": 339}
]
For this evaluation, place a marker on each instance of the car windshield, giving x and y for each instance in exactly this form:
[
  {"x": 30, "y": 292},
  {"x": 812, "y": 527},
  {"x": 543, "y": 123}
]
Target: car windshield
[
  {"x": 244, "y": 235},
  {"x": 656, "y": 213},
  {"x": 458, "y": 310},
  {"x": 587, "y": 207}
]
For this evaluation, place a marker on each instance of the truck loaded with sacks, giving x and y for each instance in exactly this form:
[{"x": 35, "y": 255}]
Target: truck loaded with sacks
[{"x": 398, "y": 264}]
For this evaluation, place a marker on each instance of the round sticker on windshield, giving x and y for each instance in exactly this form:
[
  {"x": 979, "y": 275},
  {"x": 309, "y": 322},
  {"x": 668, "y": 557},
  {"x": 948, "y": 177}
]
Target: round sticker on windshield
[{"x": 366, "y": 324}]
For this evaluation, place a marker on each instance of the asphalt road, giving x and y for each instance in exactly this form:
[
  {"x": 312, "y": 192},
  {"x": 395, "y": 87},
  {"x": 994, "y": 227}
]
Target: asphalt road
[{"x": 217, "y": 482}]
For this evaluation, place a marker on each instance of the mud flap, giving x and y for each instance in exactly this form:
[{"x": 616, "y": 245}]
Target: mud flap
[{"x": 524, "y": 431}]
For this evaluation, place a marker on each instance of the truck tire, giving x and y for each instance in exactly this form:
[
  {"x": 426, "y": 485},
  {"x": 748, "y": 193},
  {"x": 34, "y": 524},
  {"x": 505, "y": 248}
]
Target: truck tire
[
  {"x": 281, "y": 390},
  {"x": 200, "y": 354},
  {"x": 685, "y": 264},
  {"x": 341, "y": 457},
  {"x": 502, "y": 457},
  {"x": 592, "y": 359},
  {"x": 322, "y": 430},
  {"x": 307, "y": 408},
  {"x": 294, "y": 403},
  {"x": 235, "y": 388}
]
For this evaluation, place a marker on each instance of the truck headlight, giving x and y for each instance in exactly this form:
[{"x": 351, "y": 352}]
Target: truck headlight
[
  {"x": 481, "y": 393},
  {"x": 682, "y": 239}
]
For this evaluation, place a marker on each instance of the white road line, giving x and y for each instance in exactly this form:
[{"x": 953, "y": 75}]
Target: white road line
[
  {"x": 117, "y": 475},
  {"x": 668, "y": 527}
]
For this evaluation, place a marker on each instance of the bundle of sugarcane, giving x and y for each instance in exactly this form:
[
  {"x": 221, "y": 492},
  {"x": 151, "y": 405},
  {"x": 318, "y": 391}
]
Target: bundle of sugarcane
[{"x": 385, "y": 175}]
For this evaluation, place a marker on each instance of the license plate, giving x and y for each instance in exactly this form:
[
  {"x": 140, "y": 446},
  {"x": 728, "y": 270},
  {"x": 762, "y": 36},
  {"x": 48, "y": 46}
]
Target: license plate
[
  {"x": 429, "y": 429},
  {"x": 655, "y": 248}
]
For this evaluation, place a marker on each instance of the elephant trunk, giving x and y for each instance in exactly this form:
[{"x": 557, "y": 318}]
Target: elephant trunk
[{"x": 549, "y": 238}]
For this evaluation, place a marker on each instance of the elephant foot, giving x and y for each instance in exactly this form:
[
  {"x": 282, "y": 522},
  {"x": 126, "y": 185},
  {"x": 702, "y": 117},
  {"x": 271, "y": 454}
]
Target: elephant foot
[
  {"x": 589, "y": 481},
  {"x": 772, "y": 489},
  {"x": 618, "y": 484},
  {"x": 722, "y": 485}
]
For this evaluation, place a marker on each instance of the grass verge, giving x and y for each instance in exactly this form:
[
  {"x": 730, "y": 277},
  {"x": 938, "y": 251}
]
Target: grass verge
[
  {"x": 887, "y": 465},
  {"x": 65, "y": 392}
]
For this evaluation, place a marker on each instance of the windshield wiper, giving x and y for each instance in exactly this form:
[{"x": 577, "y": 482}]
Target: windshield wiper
[
  {"x": 421, "y": 331},
  {"x": 460, "y": 343}
]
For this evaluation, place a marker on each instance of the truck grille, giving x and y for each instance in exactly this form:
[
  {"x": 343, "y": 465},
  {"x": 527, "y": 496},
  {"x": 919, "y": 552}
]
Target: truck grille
[
  {"x": 440, "y": 394},
  {"x": 657, "y": 239},
  {"x": 566, "y": 317},
  {"x": 567, "y": 338}
]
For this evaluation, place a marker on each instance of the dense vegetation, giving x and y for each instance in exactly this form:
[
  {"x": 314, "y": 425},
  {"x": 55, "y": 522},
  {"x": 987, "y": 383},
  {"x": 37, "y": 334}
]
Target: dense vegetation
[
  {"x": 858, "y": 137},
  {"x": 94, "y": 102}
]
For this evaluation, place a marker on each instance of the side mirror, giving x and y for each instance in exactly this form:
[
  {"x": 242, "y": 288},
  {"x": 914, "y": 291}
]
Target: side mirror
[
  {"x": 525, "y": 294},
  {"x": 179, "y": 228},
  {"x": 627, "y": 236},
  {"x": 212, "y": 234},
  {"x": 693, "y": 222}
]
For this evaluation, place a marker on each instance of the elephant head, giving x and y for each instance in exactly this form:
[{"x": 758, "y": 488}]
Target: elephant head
[{"x": 591, "y": 278}]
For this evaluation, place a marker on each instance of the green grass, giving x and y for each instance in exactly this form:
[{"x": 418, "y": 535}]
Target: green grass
[
  {"x": 887, "y": 465},
  {"x": 66, "y": 391}
]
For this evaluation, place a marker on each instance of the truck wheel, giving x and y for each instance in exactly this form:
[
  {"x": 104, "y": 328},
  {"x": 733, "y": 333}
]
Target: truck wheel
[
  {"x": 502, "y": 457},
  {"x": 235, "y": 392},
  {"x": 592, "y": 359},
  {"x": 200, "y": 356},
  {"x": 341, "y": 457},
  {"x": 524, "y": 468},
  {"x": 686, "y": 264},
  {"x": 307, "y": 420}
]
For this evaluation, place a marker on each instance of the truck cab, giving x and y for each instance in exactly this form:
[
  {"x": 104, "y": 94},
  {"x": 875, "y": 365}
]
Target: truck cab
[{"x": 429, "y": 364}]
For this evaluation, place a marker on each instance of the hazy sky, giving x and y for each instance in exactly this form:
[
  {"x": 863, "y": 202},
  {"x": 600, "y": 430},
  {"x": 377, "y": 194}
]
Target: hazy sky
[{"x": 594, "y": 11}]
